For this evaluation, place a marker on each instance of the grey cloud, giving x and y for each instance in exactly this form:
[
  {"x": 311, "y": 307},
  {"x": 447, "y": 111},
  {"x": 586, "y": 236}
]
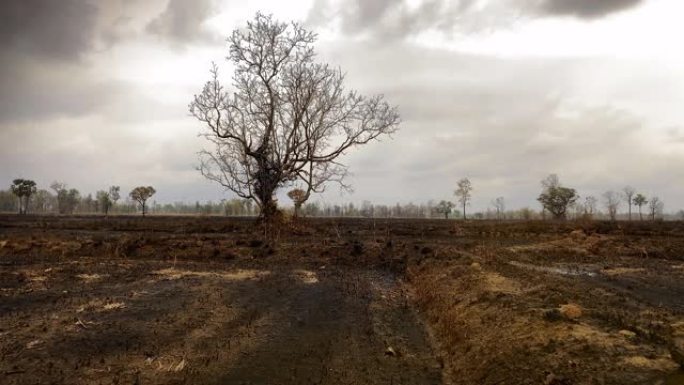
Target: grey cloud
[
  {"x": 32, "y": 92},
  {"x": 35, "y": 93},
  {"x": 504, "y": 123},
  {"x": 56, "y": 29},
  {"x": 387, "y": 19},
  {"x": 587, "y": 9},
  {"x": 181, "y": 21},
  {"x": 47, "y": 66}
]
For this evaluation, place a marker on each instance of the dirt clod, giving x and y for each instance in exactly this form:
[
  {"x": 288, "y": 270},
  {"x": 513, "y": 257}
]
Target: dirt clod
[{"x": 571, "y": 311}]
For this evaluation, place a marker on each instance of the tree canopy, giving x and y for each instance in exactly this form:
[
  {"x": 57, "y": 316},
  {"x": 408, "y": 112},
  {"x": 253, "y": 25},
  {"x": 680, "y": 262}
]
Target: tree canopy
[
  {"x": 141, "y": 194},
  {"x": 23, "y": 189},
  {"x": 555, "y": 198}
]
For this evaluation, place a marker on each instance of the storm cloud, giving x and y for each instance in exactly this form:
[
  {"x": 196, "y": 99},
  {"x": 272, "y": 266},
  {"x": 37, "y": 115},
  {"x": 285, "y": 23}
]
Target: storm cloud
[{"x": 51, "y": 29}]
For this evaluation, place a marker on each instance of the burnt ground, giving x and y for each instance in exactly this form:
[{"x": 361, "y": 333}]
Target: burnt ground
[
  {"x": 205, "y": 300},
  {"x": 146, "y": 322}
]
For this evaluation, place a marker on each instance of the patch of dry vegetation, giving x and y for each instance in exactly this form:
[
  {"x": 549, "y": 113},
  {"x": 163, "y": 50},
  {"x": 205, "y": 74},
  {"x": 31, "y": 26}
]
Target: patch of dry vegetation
[
  {"x": 233, "y": 275},
  {"x": 489, "y": 324}
]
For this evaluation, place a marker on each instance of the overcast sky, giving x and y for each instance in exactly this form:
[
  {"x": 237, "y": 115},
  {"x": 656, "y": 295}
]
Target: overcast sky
[{"x": 95, "y": 93}]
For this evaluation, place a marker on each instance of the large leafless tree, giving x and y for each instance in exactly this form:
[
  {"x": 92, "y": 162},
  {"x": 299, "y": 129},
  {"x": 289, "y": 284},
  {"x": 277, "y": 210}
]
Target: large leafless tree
[{"x": 287, "y": 118}]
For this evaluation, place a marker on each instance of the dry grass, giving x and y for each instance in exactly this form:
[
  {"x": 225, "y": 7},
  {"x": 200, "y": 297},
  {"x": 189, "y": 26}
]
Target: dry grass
[
  {"x": 497, "y": 283},
  {"x": 658, "y": 363},
  {"x": 614, "y": 271},
  {"x": 306, "y": 276},
  {"x": 234, "y": 275},
  {"x": 486, "y": 329},
  {"x": 90, "y": 277},
  {"x": 114, "y": 306}
]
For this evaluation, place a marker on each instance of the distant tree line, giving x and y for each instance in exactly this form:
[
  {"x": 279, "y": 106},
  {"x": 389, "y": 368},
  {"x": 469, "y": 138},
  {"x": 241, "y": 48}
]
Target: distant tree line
[
  {"x": 557, "y": 202},
  {"x": 24, "y": 196}
]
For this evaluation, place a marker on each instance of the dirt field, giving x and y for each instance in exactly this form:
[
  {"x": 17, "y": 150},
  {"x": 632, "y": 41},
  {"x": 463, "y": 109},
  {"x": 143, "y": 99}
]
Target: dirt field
[{"x": 182, "y": 300}]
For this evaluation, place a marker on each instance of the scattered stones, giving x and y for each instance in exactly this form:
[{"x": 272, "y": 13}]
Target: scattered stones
[{"x": 476, "y": 266}]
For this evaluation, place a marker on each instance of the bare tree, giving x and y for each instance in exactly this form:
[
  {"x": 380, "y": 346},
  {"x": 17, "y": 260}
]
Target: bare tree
[
  {"x": 289, "y": 118},
  {"x": 500, "y": 207},
  {"x": 445, "y": 208},
  {"x": 67, "y": 199},
  {"x": 43, "y": 201},
  {"x": 103, "y": 200},
  {"x": 141, "y": 194},
  {"x": 612, "y": 202},
  {"x": 298, "y": 197},
  {"x": 107, "y": 199},
  {"x": 114, "y": 194},
  {"x": 577, "y": 209},
  {"x": 628, "y": 193},
  {"x": 639, "y": 201},
  {"x": 655, "y": 207},
  {"x": 555, "y": 198},
  {"x": 463, "y": 192},
  {"x": 590, "y": 205},
  {"x": 23, "y": 189}
]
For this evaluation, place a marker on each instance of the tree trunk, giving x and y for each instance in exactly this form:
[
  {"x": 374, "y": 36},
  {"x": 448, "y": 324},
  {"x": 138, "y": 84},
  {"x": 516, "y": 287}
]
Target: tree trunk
[
  {"x": 269, "y": 208},
  {"x": 641, "y": 217},
  {"x": 446, "y": 215},
  {"x": 143, "y": 208},
  {"x": 630, "y": 211},
  {"x": 264, "y": 189},
  {"x": 464, "y": 213},
  {"x": 296, "y": 210}
]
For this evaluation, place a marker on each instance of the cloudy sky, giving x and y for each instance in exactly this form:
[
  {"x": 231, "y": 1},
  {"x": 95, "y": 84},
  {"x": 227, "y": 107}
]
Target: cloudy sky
[{"x": 95, "y": 93}]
